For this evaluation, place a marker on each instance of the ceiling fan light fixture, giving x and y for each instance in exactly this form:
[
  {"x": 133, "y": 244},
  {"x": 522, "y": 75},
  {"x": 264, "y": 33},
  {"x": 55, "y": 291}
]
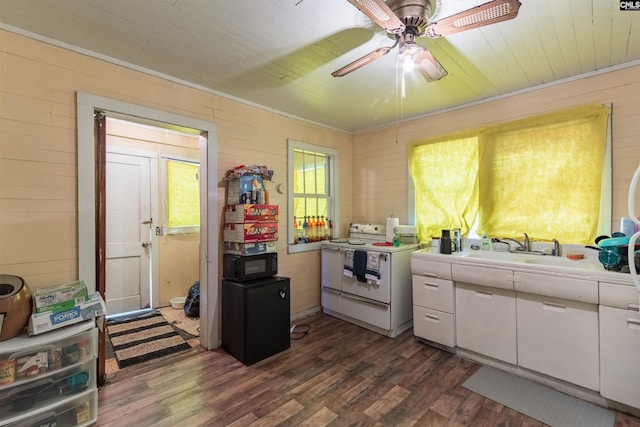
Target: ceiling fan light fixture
[{"x": 428, "y": 65}]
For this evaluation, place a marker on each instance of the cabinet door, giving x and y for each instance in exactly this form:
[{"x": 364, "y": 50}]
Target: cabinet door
[
  {"x": 332, "y": 267},
  {"x": 486, "y": 321},
  {"x": 620, "y": 355},
  {"x": 559, "y": 338}
]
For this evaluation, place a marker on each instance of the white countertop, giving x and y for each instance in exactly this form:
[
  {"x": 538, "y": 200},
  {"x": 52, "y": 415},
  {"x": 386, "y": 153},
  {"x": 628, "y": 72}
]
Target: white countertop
[{"x": 586, "y": 268}]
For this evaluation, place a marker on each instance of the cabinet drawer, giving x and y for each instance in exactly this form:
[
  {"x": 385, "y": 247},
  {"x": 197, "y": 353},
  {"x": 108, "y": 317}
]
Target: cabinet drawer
[
  {"x": 39, "y": 394},
  {"x": 434, "y": 325},
  {"x": 433, "y": 293},
  {"x": 485, "y": 276},
  {"x": 434, "y": 269},
  {"x": 570, "y": 288},
  {"x": 31, "y": 358},
  {"x": 621, "y": 296},
  {"x": 371, "y": 312},
  {"x": 619, "y": 350},
  {"x": 79, "y": 411}
]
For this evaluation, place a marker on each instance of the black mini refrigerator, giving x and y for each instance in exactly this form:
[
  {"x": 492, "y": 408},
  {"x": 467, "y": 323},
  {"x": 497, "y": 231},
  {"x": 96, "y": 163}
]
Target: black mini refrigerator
[{"x": 255, "y": 318}]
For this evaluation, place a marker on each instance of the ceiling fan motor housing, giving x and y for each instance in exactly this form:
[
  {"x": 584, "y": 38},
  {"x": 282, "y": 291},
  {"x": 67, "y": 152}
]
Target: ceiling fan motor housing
[{"x": 413, "y": 13}]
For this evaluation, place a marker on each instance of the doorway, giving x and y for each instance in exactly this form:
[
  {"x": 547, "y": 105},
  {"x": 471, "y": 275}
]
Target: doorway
[{"x": 88, "y": 250}]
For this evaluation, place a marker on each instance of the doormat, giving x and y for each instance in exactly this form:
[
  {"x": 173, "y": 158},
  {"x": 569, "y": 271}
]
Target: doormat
[
  {"x": 537, "y": 401},
  {"x": 177, "y": 318},
  {"x": 143, "y": 338}
]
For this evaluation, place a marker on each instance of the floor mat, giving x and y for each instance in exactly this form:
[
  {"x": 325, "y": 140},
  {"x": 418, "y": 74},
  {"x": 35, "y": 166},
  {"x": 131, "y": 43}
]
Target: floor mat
[
  {"x": 177, "y": 318},
  {"x": 143, "y": 338},
  {"x": 537, "y": 401}
]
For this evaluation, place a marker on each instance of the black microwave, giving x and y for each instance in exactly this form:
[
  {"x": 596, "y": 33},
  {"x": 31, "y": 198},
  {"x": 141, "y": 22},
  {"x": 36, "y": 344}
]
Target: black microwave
[{"x": 249, "y": 267}]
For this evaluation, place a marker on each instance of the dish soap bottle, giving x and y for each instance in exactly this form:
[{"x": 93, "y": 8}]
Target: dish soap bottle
[
  {"x": 396, "y": 237},
  {"x": 486, "y": 242}
]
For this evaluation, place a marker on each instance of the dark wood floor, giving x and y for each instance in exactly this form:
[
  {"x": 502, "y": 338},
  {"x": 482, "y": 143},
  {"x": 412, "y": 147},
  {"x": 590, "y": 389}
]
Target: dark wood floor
[{"x": 337, "y": 375}]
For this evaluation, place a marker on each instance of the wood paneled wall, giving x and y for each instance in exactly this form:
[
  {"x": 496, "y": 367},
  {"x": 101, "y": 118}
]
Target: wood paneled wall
[
  {"x": 379, "y": 190},
  {"x": 38, "y": 170}
]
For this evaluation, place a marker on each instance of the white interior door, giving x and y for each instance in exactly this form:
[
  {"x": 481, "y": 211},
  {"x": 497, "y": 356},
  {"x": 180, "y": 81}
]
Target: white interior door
[{"x": 128, "y": 236}]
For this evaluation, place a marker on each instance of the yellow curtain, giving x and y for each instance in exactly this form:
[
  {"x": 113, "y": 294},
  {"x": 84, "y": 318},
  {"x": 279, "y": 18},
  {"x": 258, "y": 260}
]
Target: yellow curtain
[
  {"x": 183, "y": 194},
  {"x": 445, "y": 176},
  {"x": 542, "y": 176}
]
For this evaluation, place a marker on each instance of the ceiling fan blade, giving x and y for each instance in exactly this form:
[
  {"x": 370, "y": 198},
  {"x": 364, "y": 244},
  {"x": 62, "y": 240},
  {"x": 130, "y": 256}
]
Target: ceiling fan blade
[
  {"x": 381, "y": 14},
  {"x": 479, "y": 16},
  {"x": 361, "y": 62},
  {"x": 428, "y": 65}
]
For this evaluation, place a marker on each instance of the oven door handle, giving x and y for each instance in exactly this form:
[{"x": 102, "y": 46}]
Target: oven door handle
[
  {"x": 331, "y": 248},
  {"x": 367, "y": 301}
]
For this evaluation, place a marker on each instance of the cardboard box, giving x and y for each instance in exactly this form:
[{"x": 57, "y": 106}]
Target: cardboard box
[
  {"x": 251, "y": 232},
  {"x": 90, "y": 309},
  {"x": 246, "y": 189},
  {"x": 60, "y": 297},
  {"x": 250, "y": 213},
  {"x": 249, "y": 248}
]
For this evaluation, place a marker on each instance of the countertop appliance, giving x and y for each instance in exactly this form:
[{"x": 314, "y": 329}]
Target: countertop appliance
[
  {"x": 249, "y": 267},
  {"x": 256, "y": 318},
  {"x": 15, "y": 306},
  {"x": 367, "y": 281}
]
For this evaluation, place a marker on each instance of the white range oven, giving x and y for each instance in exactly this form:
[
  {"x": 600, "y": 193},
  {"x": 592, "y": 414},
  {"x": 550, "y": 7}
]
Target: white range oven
[{"x": 368, "y": 282}]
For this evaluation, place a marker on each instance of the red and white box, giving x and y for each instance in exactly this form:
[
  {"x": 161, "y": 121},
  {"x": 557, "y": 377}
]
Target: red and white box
[
  {"x": 251, "y": 232},
  {"x": 250, "y": 213}
]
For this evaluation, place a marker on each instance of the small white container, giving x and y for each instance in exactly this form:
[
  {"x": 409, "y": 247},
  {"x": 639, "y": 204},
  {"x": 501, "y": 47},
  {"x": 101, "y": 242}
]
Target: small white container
[
  {"x": 178, "y": 302},
  {"x": 435, "y": 245}
]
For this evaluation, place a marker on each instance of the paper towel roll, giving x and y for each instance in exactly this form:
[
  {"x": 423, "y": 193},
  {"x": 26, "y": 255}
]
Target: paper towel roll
[{"x": 391, "y": 224}]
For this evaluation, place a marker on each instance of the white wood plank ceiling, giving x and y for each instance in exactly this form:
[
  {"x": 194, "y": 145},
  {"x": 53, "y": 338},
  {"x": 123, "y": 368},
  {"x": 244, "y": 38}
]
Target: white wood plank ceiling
[{"x": 280, "y": 53}]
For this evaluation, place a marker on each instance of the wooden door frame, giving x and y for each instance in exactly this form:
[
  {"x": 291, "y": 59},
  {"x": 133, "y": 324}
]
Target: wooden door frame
[{"x": 89, "y": 254}]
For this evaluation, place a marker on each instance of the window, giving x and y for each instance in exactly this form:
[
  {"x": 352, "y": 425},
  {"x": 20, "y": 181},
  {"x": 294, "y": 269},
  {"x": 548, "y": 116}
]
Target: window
[
  {"x": 312, "y": 195},
  {"x": 182, "y": 196},
  {"x": 545, "y": 176}
]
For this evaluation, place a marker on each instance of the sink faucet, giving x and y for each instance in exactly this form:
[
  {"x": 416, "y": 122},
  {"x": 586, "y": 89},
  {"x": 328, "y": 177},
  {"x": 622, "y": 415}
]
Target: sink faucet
[
  {"x": 556, "y": 248},
  {"x": 522, "y": 247}
]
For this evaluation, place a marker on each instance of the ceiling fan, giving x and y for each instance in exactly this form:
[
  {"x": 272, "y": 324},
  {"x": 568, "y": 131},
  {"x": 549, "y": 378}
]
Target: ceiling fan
[{"x": 404, "y": 20}]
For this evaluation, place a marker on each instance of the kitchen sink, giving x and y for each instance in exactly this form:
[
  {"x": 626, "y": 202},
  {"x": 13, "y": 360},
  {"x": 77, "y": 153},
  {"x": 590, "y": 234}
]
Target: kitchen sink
[
  {"x": 496, "y": 256},
  {"x": 547, "y": 260}
]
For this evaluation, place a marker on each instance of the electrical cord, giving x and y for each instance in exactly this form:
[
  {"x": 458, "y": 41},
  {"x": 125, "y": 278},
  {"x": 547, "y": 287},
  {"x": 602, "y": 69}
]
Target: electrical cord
[{"x": 299, "y": 331}]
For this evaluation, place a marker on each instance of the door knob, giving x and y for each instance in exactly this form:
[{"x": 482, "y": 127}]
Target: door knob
[{"x": 146, "y": 244}]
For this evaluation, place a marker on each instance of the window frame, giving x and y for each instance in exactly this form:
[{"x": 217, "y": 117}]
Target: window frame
[
  {"x": 166, "y": 230},
  {"x": 606, "y": 194},
  {"x": 333, "y": 161}
]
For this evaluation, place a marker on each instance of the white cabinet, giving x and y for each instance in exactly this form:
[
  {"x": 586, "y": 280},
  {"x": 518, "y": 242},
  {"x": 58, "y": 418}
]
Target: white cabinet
[
  {"x": 619, "y": 344},
  {"x": 558, "y": 327},
  {"x": 486, "y": 321},
  {"x": 433, "y": 301},
  {"x": 50, "y": 379},
  {"x": 559, "y": 337}
]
